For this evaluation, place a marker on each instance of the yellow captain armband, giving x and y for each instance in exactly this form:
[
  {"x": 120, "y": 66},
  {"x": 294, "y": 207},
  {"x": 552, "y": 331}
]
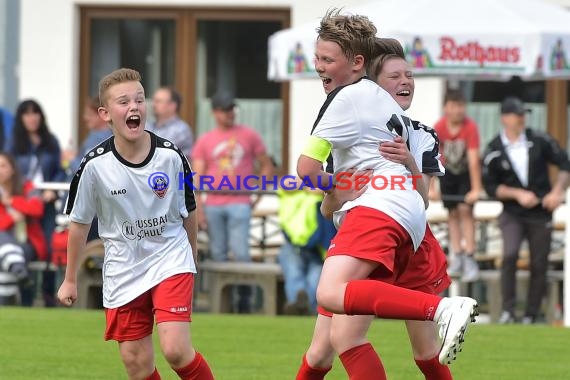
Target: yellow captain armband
[{"x": 317, "y": 148}]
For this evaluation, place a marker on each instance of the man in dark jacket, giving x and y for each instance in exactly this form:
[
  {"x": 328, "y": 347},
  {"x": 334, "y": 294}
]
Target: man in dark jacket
[{"x": 515, "y": 171}]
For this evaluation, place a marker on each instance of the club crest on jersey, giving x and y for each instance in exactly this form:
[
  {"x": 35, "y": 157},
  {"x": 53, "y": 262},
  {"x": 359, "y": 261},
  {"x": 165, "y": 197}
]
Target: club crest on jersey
[{"x": 158, "y": 182}]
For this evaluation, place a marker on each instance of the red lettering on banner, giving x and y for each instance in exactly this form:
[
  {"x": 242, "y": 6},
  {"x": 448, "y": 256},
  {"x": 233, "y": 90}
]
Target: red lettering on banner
[{"x": 473, "y": 51}]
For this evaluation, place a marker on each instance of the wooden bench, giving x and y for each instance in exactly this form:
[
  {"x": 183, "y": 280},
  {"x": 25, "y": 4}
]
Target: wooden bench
[
  {"x": 220, "y": 276},
  {"x": 90, "y": 277},
  {"x": 492, "y": 280},
  {"x": 265, "y": 235},
  {"x": 36, "y": 270},
  {"x": 89, "y": 280},
  {"x": 40, "y": 266}
]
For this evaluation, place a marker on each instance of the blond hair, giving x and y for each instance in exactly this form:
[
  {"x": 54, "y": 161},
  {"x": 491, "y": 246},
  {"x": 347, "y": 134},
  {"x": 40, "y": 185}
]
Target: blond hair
[
  {"x": 355, "y": 34},
  {"x": 386, "y": 49},
  {"x": 118, "y": 76}
]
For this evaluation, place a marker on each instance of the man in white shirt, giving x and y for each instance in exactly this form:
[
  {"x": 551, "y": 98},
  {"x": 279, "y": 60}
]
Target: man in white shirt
[
  {"x": 168, "y": 124},
  {"x": 515, "y": 171}
]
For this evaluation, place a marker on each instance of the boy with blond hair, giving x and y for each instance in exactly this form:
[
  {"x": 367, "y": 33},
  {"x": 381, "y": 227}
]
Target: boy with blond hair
[
  {"x": 149, "y": 231},
  {"x": 380, "y": 230}
]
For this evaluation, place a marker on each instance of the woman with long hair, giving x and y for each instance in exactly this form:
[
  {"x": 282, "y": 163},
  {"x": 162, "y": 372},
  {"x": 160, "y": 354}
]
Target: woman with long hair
[{"x": 38, "y": 157}]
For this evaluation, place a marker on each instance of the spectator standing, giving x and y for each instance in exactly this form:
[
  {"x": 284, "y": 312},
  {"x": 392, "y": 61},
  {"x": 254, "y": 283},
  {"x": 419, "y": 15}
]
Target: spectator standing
[
  {"x": 459, "y": 141},
  {"x": 99, "y": 131},
  {"x": 229, "y": 153},
  {"x": 38, "y": 157},
  {"x": 168, "y": 124},
  {"x": 516, "y": 172},
  {"x": 307, "y": 236}
]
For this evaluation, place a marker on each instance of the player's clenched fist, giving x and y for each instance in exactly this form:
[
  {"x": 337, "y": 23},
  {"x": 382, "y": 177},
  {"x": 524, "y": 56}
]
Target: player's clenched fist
[{"x": 67, "y": 293}]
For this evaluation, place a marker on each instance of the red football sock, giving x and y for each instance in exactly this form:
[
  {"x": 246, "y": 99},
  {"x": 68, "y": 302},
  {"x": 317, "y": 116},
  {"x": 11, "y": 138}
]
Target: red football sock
[
  {"x": 371, "y": 297},
  {"x": 363, "y": 363},
  {"x": 154, "y": 376},
  {"x": 198, "y": 369},
  {"x": 433, "y": 369},
  {"x": 306, "y": 372}
]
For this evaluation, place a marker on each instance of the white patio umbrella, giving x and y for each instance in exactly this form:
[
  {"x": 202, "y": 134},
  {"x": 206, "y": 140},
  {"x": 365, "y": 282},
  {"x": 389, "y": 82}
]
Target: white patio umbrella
[{"x": 492, "y": 39}]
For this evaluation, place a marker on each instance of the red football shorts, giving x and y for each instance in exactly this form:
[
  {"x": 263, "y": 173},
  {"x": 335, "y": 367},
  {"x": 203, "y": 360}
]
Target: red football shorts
[
  {"x": 169, "y": 301},
  {"x": 370, "y": 234},
  {"x": 389, "y": 244},
  {"x": 427, "y": 268}
]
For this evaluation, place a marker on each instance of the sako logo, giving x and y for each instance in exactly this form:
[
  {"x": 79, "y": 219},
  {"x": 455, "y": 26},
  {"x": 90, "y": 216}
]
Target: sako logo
[{"x": 119, "y": 192}]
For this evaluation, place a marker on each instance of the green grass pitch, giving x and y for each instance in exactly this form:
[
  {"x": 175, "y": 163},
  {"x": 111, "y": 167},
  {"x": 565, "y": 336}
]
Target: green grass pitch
[{"x": 67, "y": 344}]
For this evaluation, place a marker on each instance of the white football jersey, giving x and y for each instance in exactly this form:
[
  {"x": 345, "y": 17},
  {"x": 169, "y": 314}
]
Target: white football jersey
[
  {"x": 423, "y": 143},
  {"x": 140, "y": 208},
  {"x": 355, "y": 121}
]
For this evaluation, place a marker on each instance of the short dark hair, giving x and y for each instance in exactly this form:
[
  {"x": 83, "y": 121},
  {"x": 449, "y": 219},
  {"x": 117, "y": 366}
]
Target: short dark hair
[
  {"x": 174, "y": 96},
  {"x": 453, "y": 95}
]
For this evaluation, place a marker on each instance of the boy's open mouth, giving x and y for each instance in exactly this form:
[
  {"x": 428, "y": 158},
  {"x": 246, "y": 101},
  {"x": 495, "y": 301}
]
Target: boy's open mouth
[{"x": 133, "y": 122}]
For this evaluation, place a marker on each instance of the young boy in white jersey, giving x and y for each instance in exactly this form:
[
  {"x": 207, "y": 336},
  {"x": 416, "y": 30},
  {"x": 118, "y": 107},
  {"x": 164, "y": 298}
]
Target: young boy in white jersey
[
  {"x": 382, "y": 229},
  {"x": 149, "y": 230},
  {"x": 426, "y": 270}
]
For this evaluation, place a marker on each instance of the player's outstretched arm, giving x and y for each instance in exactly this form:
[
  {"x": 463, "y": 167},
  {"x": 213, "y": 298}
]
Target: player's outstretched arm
[{"x": 67, "y": 293}]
